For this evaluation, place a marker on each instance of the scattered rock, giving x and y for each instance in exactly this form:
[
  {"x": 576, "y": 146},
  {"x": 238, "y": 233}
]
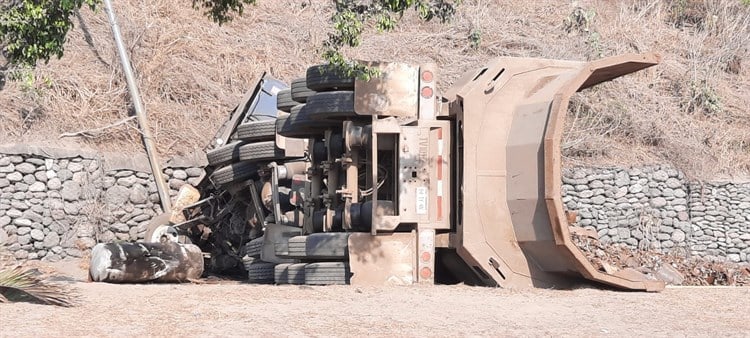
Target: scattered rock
[
  {"x": 37, "y": 187},
  {"x": 21, "y": 254},
  {"x": 669, "y": 275},
  {"x": 194, "y": 172},
  {"x": 127, "y": 181},
  {"x": 622, "y": 179},
  {"x": 37, "y": 234},
  {"x": 176, "y": 184},
  {"x": 52, "y": 239},
  {"x": 658, "y": 202},
  {"x": 54, "y": 184},
  {"x": 64, "y": 174},
  {"x": 180, "y": 174},
  {"x": 117, "y": 196},
  {"x": 7, "y": 168},
  {"x": 41, "y": 176},
  {"x": 75, "y": 167},
  {"x": 22, "y": 222},
  {"x": 673, "y": 183},
  {"x": 138, "y": 194},
  {"x": 635, "y": 188},
  {"x": 71, "y": 191},
  {"x": 26, "y": 168},
  {"x": 14, "y": 177}
]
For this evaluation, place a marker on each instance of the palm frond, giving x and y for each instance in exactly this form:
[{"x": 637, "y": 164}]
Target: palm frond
[{"x": 22, "y": 284}]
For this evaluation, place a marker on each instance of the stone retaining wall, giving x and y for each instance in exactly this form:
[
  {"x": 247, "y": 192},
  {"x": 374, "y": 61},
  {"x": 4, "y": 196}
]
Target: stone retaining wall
[
  {"x": 51, "y": 208},
  {"x": 658, "y": 208},
  {"x": 720, "y": 214}
]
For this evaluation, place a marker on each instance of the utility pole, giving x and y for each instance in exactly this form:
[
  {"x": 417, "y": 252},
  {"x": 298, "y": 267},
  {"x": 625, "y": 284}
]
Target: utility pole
[{"x": 140, "y": 112}]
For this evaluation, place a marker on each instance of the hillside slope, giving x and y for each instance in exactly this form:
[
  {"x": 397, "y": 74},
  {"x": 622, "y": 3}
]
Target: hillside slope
[{"x": 691, "y": 110}]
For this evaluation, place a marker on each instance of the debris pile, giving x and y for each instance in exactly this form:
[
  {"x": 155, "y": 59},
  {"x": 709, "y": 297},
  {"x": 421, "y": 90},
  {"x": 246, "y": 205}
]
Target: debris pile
[{"x": 674, "y": 268}]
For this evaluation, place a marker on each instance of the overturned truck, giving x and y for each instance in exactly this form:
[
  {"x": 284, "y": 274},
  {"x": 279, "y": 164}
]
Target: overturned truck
[{"x": 335, "y": 180}]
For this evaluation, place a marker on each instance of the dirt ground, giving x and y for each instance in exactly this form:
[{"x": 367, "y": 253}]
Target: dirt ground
[{"x": 238, "y": 309}]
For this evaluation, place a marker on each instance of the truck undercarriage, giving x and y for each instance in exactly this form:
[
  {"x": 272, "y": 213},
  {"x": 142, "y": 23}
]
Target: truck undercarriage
[{"x": 334, "y": 180}]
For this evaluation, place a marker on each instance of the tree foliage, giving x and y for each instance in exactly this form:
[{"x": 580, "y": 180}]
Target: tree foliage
[
  {"x": 222, "y": 11},
  {"x": 351, "y": 17},
  {"x": 35, "y": 30}
]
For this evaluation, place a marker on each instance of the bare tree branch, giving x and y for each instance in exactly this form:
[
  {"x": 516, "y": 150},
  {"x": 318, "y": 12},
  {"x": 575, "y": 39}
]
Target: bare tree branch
[{"x": 96, "y": 132}]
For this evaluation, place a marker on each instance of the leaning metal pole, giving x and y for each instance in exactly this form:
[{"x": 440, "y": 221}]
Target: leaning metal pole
[{"x": 140, "y": 112}]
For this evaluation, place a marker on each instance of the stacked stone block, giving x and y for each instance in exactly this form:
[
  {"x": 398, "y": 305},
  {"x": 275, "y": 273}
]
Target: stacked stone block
[
  {"x": 720, "y": 213},
  {"x": 54, "y": 208}
]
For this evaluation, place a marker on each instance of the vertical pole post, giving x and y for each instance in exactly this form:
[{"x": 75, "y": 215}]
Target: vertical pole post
[{"x": 140, "y": 111}]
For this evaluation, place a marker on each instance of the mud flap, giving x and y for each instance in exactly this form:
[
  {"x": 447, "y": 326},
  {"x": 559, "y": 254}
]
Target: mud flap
[{"x": 383, "y": 259}]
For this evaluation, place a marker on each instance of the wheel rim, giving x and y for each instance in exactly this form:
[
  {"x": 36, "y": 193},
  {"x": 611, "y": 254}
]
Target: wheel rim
[{"x": 163, "y": 230}]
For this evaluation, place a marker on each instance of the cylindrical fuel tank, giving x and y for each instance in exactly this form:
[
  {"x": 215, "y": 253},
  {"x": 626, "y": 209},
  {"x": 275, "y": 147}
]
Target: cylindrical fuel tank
[{"x": 145, "y": 262}]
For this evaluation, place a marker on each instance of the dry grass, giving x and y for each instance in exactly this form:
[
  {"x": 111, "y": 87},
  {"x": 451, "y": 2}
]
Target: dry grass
[{"x": 690, "y": 111}]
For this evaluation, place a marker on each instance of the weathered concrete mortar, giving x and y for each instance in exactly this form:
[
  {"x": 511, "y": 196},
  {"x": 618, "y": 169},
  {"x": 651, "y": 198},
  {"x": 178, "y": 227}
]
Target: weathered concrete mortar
[
  {"x": 53, "y": 207},
  {"x": 658, "y": 208}
]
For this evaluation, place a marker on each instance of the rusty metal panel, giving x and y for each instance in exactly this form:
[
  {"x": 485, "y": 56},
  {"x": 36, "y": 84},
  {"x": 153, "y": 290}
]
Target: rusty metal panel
[
  {"x": 395, "y": 93},
  {"x": 383, "y": 259}
]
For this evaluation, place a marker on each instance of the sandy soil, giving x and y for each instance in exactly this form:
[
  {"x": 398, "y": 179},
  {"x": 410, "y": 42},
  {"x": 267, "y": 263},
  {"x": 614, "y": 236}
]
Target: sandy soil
[{"x": 238, "y": 309}]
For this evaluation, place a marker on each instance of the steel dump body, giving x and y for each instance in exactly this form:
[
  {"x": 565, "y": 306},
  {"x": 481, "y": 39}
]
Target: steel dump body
[{"x": 511, "y": 223}]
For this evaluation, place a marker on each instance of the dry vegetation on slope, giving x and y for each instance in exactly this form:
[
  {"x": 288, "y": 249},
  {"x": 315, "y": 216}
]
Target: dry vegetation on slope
[{"x": 692, "y": 110}]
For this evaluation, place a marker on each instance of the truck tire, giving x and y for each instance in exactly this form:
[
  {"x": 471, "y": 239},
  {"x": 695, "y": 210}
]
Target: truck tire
[
  {"x": 327, "y": 273},
  {"x": 299, "y": 125},
  {"x": 300, "y": 92},
  {"x": 290, "y": 273},
  {"x": 284, "y": 100},
  {"x": 254, "y": 247},
  {"x": 321, "y": 78},
  {"x": 330, "y": 105},
  {"x": 296, "y": 247},
  {"x": 243, "y": 151},
  {"x": 326, "y": 245},
  {"x": 281, "y": 248},
  {"x": 254, "y": 131},
  {"x": 260, "y": 272},
  {"x": 247, "y": 261},
  {"x": 224, "y": 154},
  {"x": 260, "y": 151},
  {"x": 239, "y": 171}
]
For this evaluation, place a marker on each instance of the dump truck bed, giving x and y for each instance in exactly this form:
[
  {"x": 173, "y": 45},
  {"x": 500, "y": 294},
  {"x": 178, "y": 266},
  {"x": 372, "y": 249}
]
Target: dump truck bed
[{"x": 511, "y": 224}]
